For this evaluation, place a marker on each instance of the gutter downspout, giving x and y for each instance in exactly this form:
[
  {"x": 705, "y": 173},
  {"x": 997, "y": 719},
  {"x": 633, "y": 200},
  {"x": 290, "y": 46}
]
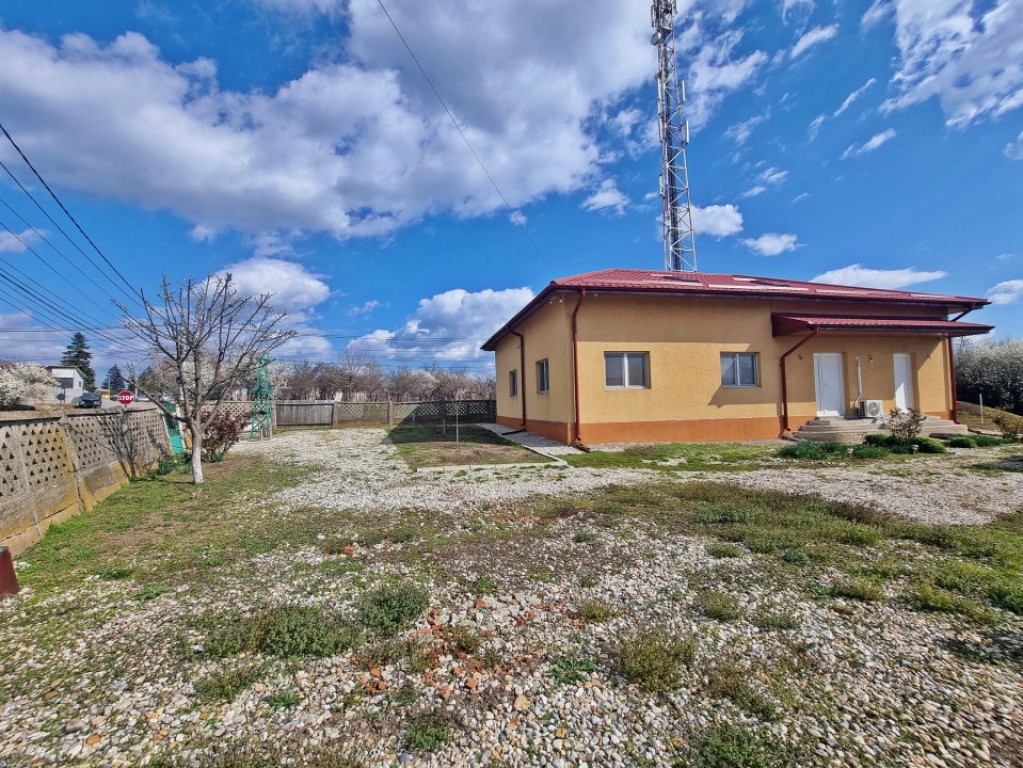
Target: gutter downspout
[
  {"x": 784, "y": 381},
  {"x": 952, "y": 375},
  {"x": 522, "y": 367},
  {"x": 578, "y": 442}
]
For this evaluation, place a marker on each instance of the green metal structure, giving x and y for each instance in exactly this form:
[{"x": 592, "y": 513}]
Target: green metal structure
[{"x": 262, "y": 401}]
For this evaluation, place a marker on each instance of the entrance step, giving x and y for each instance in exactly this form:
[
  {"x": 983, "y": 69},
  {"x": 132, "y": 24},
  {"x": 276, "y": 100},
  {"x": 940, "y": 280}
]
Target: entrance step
[{"x": 852, "y": 431}]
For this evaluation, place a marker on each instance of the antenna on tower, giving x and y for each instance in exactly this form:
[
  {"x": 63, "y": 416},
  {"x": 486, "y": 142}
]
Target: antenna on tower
[{"x": 679, "y": 240}]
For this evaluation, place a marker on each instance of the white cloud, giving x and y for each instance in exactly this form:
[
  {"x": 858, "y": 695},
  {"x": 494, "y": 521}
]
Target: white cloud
[
  {"x": 715, "y": 70},
  {"x": 717, "y": 220},
  {"x": 740, "y": 132},
  {"x": 813, "y": 37},
  {"x": 965, "y": 54},
  {"x": 873, "y": 143},
  {"x": 800, "y": 197},
  {"x": 876, "y": 13},
  {"x": 753, "y": 191},
  {"x": 1007, "y": 292},
  {"x": 303, "y": 6},
  {"x": 294, "y": 289},
  {"x": 25, "y": 341},
  {"x": 787, "y": 5},
  {"x": 607, "y": 196},
  {"x": 518, "y": 218},
  {"x": 1007, "y": 256},
  {"x": 815, "y": 126},
  {"x": 772, "y": 243},
  {"x": 863, "y": 277},
  {"x": 16, "y": 243},
  {"x": 773, "y": 176},
  {"x": 852, "y": 97},
  {"x": 365, "y": 309},
  {"x": 1014, "y": 149},
  {"x": 448, "y": 326}
]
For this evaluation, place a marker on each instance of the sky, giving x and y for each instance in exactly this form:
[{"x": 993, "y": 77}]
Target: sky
[{"x": 298, "y": 145}]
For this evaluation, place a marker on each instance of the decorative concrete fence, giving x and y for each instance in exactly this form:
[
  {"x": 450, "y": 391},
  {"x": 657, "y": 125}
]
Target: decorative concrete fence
[{"x": 53, "y": 466}]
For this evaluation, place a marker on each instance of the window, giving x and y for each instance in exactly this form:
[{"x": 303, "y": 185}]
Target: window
[
  {"x": 543, "y": 382},
  {"x": 739, "y": 369},
  {"x": 513, "y": 383},
  {"x": 626, "y": 370}
]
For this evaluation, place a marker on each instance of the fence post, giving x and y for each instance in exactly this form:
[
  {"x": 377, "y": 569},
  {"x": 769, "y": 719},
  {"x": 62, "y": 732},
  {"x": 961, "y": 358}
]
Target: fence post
[
  {"x": 390, "y": 412},
  {"x": 333, "y": 415}
]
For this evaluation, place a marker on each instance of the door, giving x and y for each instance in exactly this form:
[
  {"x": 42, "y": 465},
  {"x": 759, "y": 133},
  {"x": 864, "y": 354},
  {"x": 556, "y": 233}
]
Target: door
[
  {"x": 903, "y": 382},
  {"x": 827, "y": 380}
]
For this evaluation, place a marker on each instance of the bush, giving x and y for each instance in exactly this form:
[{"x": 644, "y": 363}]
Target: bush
[
  {"x": 896, "y": 444},
  {"x": 870, "y": 452},
  {"x": 962, "y": 441},
  {"x": 905, "y": 425},
  {"x": 390, "y": 609},
  {"x": 986, "y": 441},
  {"x": 1011, "y": 426},
  {"x": 929, "y": 445},
  {"x": 1009, "y": 596},
  {"x": 23, "y": 385},
  {"x": 992, "y": 370},
  {"x": 653, "y": 659},
  {"x": 221, "y": 432}
]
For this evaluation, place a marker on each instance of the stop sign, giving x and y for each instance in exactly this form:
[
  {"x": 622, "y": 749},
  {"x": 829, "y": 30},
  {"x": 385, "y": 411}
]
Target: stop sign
[{"x": 125, "y": 397}]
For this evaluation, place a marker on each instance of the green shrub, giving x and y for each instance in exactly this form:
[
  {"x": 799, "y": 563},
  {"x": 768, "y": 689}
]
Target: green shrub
[
  {"x": 929, "y": 445},
  {"x": 290, "y": 631},
  {"x": 727, "y": 745},
  {"x": 720, "y": 606},
  {"x": 796, "y": 557},
  {"x": 962, "y": 441},
  {"x": 880, "y": 439},
  {"x": 388, "y": 610},
  {"x": 811, "y": 449},
  {"x": 653, "y": 659},
  {"x": 987, "y": 441},
  {"x": 870, "y": 452},
  {"x": 429, "y": 730},
  {"x": 152, "y": 592}
]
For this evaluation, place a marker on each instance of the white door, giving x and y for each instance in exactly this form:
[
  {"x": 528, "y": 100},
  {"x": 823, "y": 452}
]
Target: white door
[
  {"x": 903, "y": 382},
  {"x": 827, "y": 379}
]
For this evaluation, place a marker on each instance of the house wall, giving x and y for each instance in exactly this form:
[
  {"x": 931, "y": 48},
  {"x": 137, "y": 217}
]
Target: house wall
[{"x": 685, "y": 338}]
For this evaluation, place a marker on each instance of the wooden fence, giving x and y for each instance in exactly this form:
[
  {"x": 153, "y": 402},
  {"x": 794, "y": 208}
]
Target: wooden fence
[{"x": 325, "y": 413}]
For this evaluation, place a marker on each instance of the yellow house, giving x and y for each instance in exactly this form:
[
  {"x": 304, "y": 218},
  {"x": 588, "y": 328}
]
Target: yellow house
[{"x": 626, "y": 355}]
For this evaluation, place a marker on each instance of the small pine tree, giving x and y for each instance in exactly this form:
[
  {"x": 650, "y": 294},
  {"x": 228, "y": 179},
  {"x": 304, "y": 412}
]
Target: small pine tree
[
  {"x": 115, "y": 379},
  {"x": 78, "y": 355}
]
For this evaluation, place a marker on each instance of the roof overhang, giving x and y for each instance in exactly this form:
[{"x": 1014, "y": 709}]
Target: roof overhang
[{"x": 786, "y": 325}]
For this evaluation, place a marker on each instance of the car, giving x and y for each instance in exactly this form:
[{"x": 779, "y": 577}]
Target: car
[{"x": 90, "y": 400}]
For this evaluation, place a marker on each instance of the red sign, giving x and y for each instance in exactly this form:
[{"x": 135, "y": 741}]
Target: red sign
[{"x": 124, "y": 397}]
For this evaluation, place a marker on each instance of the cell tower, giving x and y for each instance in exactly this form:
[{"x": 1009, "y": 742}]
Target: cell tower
[{"x": 679, "y": 241}]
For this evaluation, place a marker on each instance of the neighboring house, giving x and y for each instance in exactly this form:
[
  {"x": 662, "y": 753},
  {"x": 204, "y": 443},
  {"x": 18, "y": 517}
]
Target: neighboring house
[
  {"x": 70, "y": 383},
  {"x": 626, "y": 355}
]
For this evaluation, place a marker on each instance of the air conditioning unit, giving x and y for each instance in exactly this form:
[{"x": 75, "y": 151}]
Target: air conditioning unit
[{"x": 871, "y": 409}]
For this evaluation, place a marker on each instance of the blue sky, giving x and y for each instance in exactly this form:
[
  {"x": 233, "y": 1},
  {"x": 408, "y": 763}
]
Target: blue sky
[{"x": 295, "y": 144}]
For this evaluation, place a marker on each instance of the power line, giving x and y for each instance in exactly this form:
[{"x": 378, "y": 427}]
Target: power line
[
  {"x": 130, "y": 294},
  {"x": 516, "y": 217}
]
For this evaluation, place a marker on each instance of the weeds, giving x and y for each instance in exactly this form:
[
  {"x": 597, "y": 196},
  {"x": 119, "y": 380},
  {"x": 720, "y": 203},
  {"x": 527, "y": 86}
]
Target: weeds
[
  {"x": 429, "y": 730},
  {"x": 729, "y": 681},
  {"x": 722, "y": 550},
  {"x": 653, "y": 659},
  {"x": 728, "y": 745},
  {"x": 224, "y": 686},
  {"x": 570, "y": 670},
  {"x": 596, "y": 611},
  {"x": 287, "y": 631},
  {"x": 389, "y": 609},
  {"x": 719, "y": 606}
]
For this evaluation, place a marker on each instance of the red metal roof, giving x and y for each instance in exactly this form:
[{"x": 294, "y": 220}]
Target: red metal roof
[
  {"x": 702, "y": 282},
  {"x": 787, "y": 324},
  {"x": 705, "y": 285}
]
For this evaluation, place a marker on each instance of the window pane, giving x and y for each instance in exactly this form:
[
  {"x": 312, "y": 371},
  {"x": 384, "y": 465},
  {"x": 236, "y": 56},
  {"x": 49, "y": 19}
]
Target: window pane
[
  {"x": 728, "y": 370},
  {"x": 637, "y": 370},
  {"x": 613, "y": 373},
  {"x": 513, "y": 383},
  {"x": 747, "y": 370}
]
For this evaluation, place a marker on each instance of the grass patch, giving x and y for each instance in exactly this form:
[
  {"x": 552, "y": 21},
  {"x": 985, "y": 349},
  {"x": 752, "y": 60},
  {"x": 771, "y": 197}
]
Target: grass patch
[
  {"x": 428, "y": 445},
  {"x": 719, "y": 606},
  {"x": 596, "y": 611},
  {"x": 224, "y": 686},
  {"x": 429, "y": 730},
  {"x": 389, "y": 609},
  {"x": 286, "y": 699},
  {"x": 723, "y": 550},
  {"x": 729, "y": 680},
  {"x": 730, "y": 745},
  {"x": 287, "y": 631},
  {"x": 653, "y": 659},
  {"x": 932, "y": 599},
  {"x": 768, "y": 620},
  {"x": 864, "y": 590}
]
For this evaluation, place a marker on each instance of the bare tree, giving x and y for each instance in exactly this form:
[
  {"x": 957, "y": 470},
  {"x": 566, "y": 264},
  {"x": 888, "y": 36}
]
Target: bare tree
[{"x": 213, "y": 336}]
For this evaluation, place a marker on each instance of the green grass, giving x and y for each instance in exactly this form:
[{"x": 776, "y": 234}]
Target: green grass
[
  {"x": 224, "y": 686},
  {"x": 722, "y": 550},
  {"x": 429, "y": 731},
  {"x": 729, "y": 680},
  {"x": 653, "y": 659},
  {"x": 729, "y": 745},
  {"x": 287, "y": 631},
  {"x": 719, "y": 606}
]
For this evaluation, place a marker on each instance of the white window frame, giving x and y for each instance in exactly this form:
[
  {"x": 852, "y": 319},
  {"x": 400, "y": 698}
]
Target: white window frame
[
  {"x": 739, "y": 384},
  {"x": 513, "y": 383},
  {"x": 626, "y": 384},
  {"x": 543, "y": 376}
]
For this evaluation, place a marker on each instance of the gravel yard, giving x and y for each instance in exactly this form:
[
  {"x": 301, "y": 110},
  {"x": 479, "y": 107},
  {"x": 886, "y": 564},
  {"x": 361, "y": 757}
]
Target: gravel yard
[{"x": 535, "y": 577}]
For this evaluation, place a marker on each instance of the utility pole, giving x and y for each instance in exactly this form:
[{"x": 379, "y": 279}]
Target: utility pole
[{"x": 679, "y": 240}]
